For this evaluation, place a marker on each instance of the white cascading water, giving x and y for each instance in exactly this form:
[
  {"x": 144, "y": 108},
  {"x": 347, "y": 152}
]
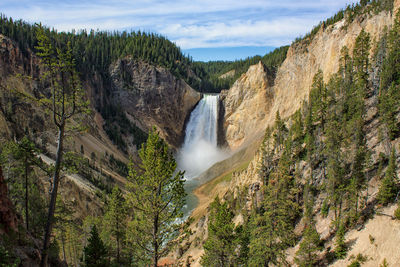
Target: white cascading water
[{"x": 200, "y": 150}]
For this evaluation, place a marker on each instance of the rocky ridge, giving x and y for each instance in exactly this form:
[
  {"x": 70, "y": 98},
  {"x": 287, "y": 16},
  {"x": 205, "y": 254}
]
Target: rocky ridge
[{"x": 152, "y": 96}]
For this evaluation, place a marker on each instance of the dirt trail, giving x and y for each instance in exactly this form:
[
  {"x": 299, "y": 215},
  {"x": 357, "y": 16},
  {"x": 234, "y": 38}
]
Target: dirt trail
[{"x": 77, "y": 179}]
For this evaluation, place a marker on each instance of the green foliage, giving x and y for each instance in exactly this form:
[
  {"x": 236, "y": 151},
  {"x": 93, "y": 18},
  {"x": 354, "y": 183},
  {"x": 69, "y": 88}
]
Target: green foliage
[
  {"x": 390, "y": 70},
  {"x": 397, "y": 211},
  {"x": 340, "y": 245},
  {"x": 388, "y": 109},
  {"x": 360, "y": 259},
  {"x": 95, "y": 253},
  {"x": 272, "y": 231},
  {"x": 318, "y": 95},
  {"x": 388, "y": 188},
  {"x": 120, "y": 167},
  {"x": 243, "y": 238},
  {"x": 361, "y": 60},
  {"x": 325, "y": 208},
  {"x": 22, "y": 166},
  {"x": 117, "y": 125},
  {"x": 6, "y": 258},
  {"x": 309, "y": 247},
  {"x": 157, "y": 196},
  {"x": 298, "y": 132},
  {"x": 335, "y": 166},
  {"x": 384, "y": 263},
  {"x": 219, "y": 248},
  {"x": 95, "y": 51},
  {"x": 280, "y": 132},
  {"x": 210, "y": 72},
  {"x": 115, "y": 222},
  {"x": 389, "y": 97}
]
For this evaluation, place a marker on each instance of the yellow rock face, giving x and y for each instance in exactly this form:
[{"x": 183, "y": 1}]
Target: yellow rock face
[
  {"x": 252, "y": 102},
  {"x": 246, "y": 104}
]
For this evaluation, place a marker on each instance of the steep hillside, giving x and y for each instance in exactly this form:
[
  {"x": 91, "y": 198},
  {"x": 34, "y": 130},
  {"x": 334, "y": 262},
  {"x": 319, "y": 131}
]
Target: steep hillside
[
  {"x": 294, "y": 77},
  {"x": 297, "y": 153},
  {"x": 152, "y": 96}
]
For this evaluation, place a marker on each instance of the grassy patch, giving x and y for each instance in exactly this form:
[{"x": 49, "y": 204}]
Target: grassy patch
[{"x": 225, "y": 178}]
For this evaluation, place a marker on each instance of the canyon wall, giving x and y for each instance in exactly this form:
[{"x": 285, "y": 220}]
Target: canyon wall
[
  {"x": 153, "y": 96},
  {"x": 253, "y": 101}
]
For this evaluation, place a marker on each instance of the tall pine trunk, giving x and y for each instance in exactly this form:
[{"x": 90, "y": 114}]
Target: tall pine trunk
[
  {"x": 54, "y": 191},
  {"x": 155, "y": 242}
]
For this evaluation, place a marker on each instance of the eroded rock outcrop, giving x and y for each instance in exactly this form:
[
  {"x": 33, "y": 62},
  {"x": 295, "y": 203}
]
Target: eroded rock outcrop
[
  {"x": 153, "y": 96},
  {"x": 246, "y": 104}
]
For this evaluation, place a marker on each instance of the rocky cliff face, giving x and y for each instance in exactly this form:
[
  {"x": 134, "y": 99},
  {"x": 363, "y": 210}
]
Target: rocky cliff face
[
  {"x": 294, "y": 78},
  {"x": 246, "y": 104},
  {"x": 152, "y": 96},
  {"x": 13, "y": 60},
  {"x": 293, "y": 83},
  {"x": 253, "y": 101}
]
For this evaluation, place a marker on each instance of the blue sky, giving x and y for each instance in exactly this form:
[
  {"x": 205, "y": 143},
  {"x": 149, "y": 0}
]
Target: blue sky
[{"x": 200, "y": 27}]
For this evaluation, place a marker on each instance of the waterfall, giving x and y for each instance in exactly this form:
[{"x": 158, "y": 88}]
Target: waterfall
[{"x": 200, "y": 151}]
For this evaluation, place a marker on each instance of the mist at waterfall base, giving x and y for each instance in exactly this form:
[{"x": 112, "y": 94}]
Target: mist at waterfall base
[{"x": 200, "y": 149}]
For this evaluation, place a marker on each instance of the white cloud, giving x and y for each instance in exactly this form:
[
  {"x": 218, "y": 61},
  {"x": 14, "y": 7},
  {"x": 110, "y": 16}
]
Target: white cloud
[
  {"x": 190, "y": 23},
  {"x": 237, "y": 33}
]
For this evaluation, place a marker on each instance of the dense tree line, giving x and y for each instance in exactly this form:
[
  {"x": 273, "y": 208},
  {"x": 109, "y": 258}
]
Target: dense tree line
[
  {"x": 211, "y": 72},
  {"x": 94, "y": 51}
]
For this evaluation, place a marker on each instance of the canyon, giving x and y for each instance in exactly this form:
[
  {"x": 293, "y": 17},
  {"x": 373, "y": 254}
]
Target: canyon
[{"x": 153, "y": 96}]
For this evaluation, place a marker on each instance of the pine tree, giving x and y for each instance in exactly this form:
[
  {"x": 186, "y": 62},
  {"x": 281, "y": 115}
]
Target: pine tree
[
  {"x": 298, "y": 132},
  {"x": 389, "y": 94},
  {"x": 95, "y": 253},
  {"x": 157, "y": 196},
  {"x": 219, "y": 248},
  {"x": 21, "y": 158},
  {"x": 311, "y": 242},
  {"x": 341, "y": 248},
  {"x": 266, "y": 150},
  {"x": 391, "y": 67},
  {"x": 388, "y": 108},
  {"x": 243, "y": 236},
  {"x": 62, "y": 219},
  {"x": 280, "y": 132},
  {"x": 306, "y": 256},
  {"x": 317, "y": 99},
  {"x": 361, "y": 60},
  {"x": 272, "y": 231},
  {"x": 388, "y": 189},
  {"x": 65, "y": 102},
  {"x": 358, "y": 178},
  {"x": 115, "y": 221},
  {"x": 335, "y": 184}
]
